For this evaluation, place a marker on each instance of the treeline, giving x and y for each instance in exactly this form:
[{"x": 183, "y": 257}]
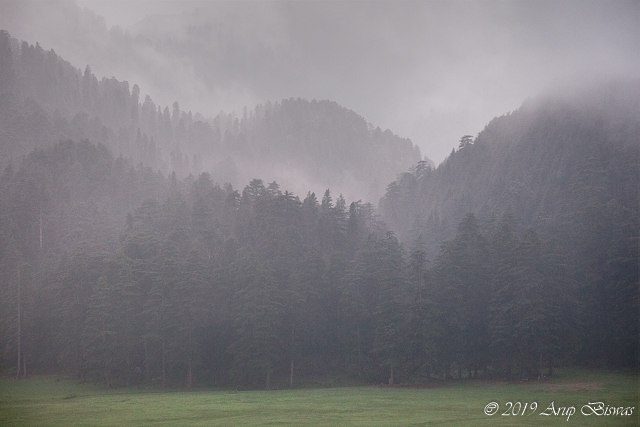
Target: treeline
[
  {"x": 518, "y": 253},
  {"x": 124, "y": 275},
  {"x": 298, "y": 142}
]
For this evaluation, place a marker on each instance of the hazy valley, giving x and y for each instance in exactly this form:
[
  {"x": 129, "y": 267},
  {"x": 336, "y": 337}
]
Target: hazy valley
[{"x": 145, "y": 244}]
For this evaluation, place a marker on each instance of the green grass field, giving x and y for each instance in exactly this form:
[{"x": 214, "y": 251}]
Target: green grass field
[{"x": 43, "y": 401}]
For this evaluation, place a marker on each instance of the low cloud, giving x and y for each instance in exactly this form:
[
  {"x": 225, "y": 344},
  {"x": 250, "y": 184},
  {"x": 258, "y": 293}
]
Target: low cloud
[{"x": 430, "y": 71}]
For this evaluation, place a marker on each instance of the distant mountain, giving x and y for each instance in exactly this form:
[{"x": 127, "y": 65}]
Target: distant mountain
[
  {"x": 298, "y": 143},
  {"x": 318, "y": 143},
  {"x": 544, "y": 163}
]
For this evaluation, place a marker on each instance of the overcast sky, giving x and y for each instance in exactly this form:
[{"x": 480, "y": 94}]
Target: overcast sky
[{"x": 431, "y": 71}]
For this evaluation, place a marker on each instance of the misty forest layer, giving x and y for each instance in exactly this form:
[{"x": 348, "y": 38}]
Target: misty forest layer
[
  {"x": 517, "y": 254},
  {"x": 296, "y": 142}
]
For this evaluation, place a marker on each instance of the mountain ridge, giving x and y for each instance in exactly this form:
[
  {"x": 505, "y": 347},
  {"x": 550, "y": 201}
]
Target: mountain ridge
[
  {"x": 57, "y": 101},
  {"x": 536, "y": 149}
]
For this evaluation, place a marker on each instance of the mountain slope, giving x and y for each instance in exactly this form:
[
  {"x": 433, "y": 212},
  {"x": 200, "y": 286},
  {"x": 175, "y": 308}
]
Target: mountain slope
[
  {"x": 302, "y": 145},
  {"x": 564, "y": 166},
  {"x": 542, "y": 162}
]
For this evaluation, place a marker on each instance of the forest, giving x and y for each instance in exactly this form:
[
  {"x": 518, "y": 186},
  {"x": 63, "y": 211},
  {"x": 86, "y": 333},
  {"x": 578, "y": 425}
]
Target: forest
[
  {"x": 125, "y": 262},
  {"x": 301, "y": 144}
]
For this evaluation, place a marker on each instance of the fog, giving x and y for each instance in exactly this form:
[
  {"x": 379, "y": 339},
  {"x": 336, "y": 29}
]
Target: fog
[
  {"x": 277, "y": 228},
  {"x": 429, "y": 71}
]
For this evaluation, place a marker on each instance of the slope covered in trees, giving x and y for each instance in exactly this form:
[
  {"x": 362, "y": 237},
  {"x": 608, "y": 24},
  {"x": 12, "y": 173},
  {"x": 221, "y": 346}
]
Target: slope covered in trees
[
  {"x": 564, "y": 165},
  {"x": 126, "y": 276},
  {"x": 517, "y": 254},
  {"x": 302, "y": 144},
  {"x": 544, "y": 162}
]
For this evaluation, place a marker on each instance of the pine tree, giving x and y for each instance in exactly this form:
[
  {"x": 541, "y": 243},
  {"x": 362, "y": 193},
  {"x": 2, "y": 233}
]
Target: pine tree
[
  {"x": 257, "y": 305},
  {"x": 464, "y": 289},
  {"x": 390, "y": 316},
  {"x": 422, "y": 313}
]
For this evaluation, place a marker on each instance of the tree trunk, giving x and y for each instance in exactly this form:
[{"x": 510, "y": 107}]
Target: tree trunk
[
  {"x": 19, "y": 326},
  {"x": 359, "y": 352},
  {"x": 268, "y": 377},
  {"x": 40, "y": 227},
  {"x": 146, "y": 362},
  {"x": 291, "y": 371},
  {"x": 162, "y": 333},
  {"x": 189, "y": 373},
  {"x": 189, "y": 360},
  {"x": 79, "y": 363},
  {"x": 541, "y": 367},
  {"x": 164, "y": 367},
  {"x": 127, "y": 374}
]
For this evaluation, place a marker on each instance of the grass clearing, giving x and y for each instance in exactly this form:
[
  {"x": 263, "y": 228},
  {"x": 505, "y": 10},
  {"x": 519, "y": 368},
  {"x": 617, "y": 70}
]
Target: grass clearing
[{"x": 44, "y": 401}]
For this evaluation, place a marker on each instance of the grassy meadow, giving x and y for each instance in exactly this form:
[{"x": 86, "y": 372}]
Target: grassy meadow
[{"x": 53, "y": 401}]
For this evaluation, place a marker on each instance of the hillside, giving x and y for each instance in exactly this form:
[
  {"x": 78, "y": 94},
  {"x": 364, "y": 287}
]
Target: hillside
[
  {"x": 118, "y": 273},
  {"x": 543, "y": 163},
  {"x": 298, "y": 143},
  {"x": 564, "y": 166},
  {"x": 125, "y": 259}
]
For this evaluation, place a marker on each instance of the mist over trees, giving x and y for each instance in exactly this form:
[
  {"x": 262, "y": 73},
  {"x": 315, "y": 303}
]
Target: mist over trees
[
  {"x": 565, "y": 166},
  {"x": 126, "y": 258},
  {"x": 302, "y": 144}
]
